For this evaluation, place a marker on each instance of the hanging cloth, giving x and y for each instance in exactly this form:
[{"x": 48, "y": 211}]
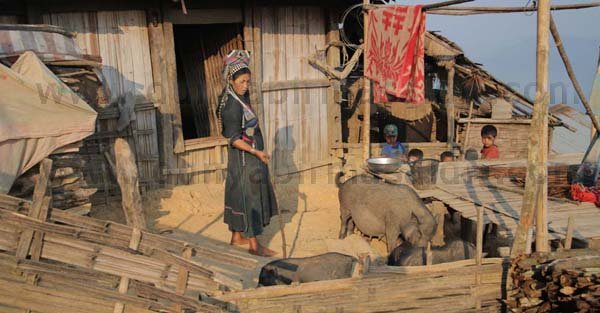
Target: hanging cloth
[{"x": 395, "y": 56}]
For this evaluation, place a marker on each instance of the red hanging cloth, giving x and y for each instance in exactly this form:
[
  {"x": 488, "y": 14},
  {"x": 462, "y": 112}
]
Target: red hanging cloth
[{"x": 395, "y": 56}]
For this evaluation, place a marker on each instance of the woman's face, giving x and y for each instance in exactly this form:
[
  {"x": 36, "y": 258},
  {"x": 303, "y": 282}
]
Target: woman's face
[{"x": 241, "y": 84}]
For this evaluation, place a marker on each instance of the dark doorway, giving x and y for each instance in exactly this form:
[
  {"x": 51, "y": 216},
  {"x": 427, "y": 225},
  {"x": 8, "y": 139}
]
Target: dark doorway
[{"x": 199, "y": 51}]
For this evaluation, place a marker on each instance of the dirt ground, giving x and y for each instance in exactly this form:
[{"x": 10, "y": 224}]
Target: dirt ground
[{"x": 194, "y": 212}]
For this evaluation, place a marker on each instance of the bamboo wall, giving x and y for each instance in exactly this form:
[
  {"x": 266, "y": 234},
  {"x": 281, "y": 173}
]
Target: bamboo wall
[
  {"x": 294, "y": 119},
  {"x": 511, "y": 140},
  {"x": 121, "y": 39}
]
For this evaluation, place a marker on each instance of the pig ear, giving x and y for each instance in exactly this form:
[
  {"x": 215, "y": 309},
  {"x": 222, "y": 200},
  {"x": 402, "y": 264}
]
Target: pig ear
[{"x": 416, "y": 217}]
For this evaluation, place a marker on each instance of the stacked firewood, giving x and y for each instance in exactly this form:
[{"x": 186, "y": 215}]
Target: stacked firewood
[
  {"x": 69, "y": 188},
  {"x": 567, "y": 281},
  {"x": 559, "y": 176},
  {"x": 85, "y": 81}
]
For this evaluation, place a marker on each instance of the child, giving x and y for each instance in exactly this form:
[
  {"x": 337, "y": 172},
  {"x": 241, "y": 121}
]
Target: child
[
  {"x": 415, "y": 155},
  {"x": 488, "y": 136},
  {"x": 446, "y": 156},
  {"x": 392, "y": 148}
]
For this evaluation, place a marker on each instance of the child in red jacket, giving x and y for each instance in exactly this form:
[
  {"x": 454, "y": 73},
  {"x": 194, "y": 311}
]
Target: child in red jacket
[{"x": 488, "y": 137}]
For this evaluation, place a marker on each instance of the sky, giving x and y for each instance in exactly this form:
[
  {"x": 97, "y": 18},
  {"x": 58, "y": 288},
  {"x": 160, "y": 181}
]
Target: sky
[{"x": 506, "y": 45}]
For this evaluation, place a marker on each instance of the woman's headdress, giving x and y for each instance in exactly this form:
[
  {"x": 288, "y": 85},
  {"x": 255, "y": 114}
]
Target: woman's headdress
[{"x": 235, "y": 61}]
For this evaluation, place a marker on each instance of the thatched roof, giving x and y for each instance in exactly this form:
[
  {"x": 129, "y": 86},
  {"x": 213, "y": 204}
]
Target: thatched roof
[{"x": 443, "y": 49}]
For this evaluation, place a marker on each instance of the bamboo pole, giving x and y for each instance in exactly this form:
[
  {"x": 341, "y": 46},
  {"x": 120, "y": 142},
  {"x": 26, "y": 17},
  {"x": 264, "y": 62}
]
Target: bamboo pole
[
  {"x": 468, "y": 131},
  {"x": 450, "y": 102},
  {"x": 536, "y": 185},
  {"x": 479, "y": 251},
  {"x": 366, "y": 95},
  {"x": 483, "y": 9},
  {"x": 571, "y": 73}
]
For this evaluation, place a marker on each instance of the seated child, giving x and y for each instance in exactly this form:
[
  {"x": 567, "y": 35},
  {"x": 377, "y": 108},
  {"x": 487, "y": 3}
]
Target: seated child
[
  {"x": 415, "y": 155},
  {"x": 446, "y": 156},
  {"x": 392, "y": 148},
  {"x": 488, "y": 136}
]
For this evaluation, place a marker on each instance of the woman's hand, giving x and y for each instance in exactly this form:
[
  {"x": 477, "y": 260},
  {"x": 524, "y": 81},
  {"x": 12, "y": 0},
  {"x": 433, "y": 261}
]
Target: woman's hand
[{"x": 262, "y": 156}]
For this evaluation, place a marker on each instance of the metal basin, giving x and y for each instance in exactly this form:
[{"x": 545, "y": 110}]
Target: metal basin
[{"x": 383, "y": 165}]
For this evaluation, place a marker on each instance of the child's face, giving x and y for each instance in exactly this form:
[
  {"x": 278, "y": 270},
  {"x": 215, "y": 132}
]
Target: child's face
[
  {"x": 391, "y": 139},
  {"x": 487, "y": 141},
  {"x": 413, "y": 158},
  {"x": 447, "y": 159}
]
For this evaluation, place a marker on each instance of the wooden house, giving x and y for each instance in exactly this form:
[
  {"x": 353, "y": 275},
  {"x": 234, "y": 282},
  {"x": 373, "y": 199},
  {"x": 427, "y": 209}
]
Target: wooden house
[{"x": 166, "y": 57}]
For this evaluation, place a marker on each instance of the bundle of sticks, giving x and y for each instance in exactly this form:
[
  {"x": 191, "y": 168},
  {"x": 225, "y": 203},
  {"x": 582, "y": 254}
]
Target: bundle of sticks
[
  {"x": 566, "y": 281},
  {"x": 559, "y": 176},
  {"x": 69, "y": 188}
]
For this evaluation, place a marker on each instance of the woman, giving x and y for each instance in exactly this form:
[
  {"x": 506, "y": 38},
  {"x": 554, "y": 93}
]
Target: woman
[{"x": 249, "y": 197}]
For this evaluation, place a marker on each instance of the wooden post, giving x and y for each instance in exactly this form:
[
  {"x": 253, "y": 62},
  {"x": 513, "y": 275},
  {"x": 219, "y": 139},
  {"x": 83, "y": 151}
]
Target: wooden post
[
  {"x": 468, "y": 131},
  {"x": 37, "y": 208},
  {"x": 366, "y": 96},
  {"x": 536, "y": 185},
  {"x": 479, "y": 247},
  {"x": 479, "y": 240},
  {"x": 127, "y": 176},
  {"x": 570, "y": 229},
  {"x": 450, "y": 102},
  {"x": 334, "y": 123},
  {"x": 428, "y": 254}
]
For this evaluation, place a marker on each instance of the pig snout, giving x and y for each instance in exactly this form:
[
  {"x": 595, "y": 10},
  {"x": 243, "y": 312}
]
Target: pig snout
[{"x": 406, "y": 255}]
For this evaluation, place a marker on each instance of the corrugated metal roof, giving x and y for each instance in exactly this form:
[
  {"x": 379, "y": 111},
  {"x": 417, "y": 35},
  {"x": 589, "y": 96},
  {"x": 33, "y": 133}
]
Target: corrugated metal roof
[{"x": 566, "y": 141}]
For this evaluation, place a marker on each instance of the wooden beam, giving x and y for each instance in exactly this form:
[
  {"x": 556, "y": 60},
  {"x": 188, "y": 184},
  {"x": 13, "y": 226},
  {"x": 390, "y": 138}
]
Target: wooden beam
[
  {"x": 161, "y": 86},
  {"x": 127, "y": 176},
  {"x": 295, "y": 84},
  {"x": 536, "y": 184},
  {"x": 205, "y": 16},
  {"x": 366, "y": 93},
  {"x": 172, "y": 89}
]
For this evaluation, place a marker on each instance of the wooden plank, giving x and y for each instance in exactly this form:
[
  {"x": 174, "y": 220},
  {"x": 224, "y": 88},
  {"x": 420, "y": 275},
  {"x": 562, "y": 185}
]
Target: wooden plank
[
  {"x": 134, "y": 243},
  {"x": 38, "y": 239},
  {"x": 294, "y": 84},
  {"x": 205, "y": 16},
  {"x": 182, "y": 277},
  {"x": 39, "y": 192}
]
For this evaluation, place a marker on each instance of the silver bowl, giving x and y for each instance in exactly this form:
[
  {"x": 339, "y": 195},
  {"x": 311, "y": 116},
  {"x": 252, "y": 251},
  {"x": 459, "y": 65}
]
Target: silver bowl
[{"x": 383, "y": 165}]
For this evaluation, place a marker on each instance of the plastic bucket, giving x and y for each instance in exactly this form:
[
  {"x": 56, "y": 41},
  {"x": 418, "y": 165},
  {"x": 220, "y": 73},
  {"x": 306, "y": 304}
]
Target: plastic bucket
[{"x": 424, "y": 173}]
